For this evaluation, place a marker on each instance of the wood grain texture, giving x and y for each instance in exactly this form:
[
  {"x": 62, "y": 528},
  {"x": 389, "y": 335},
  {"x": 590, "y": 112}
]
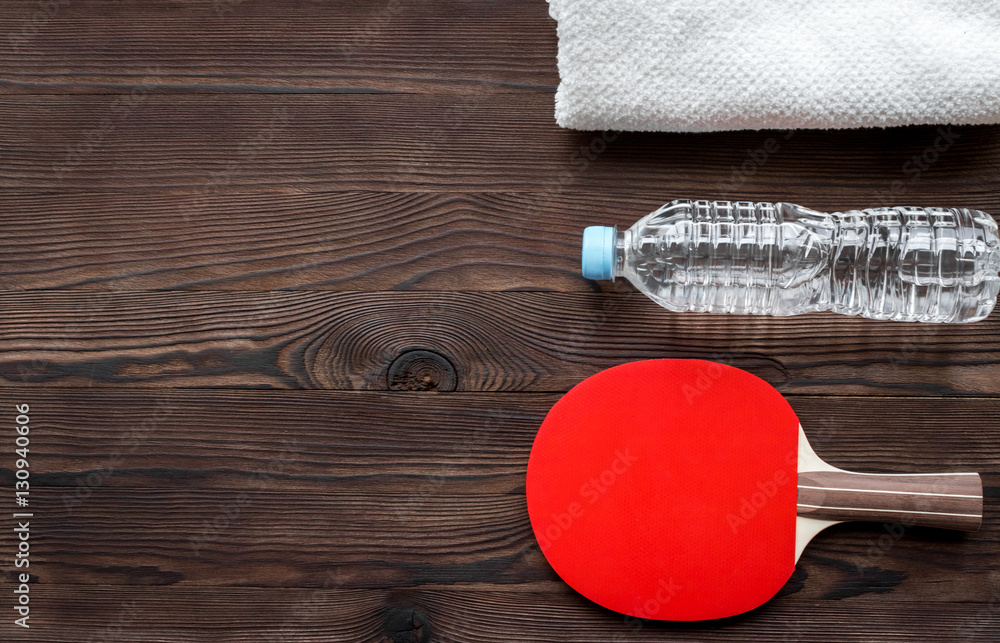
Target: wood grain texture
[
  {"x": 198, "y": 144},
  {"x": 276, "y": 488},
  {"x": 943, "y": 500},
  {"x": 317, "y": 241},
  {"x": 375, "y": 441},
  {"x": 275, "y": 538},
  {"x": 512, "y": 341},
  {"x": 450, "y": 46},
  {"x": 458, "y": 615},
  {"x": 207, "y": 199},
  {"x": 322, "y": 241}
]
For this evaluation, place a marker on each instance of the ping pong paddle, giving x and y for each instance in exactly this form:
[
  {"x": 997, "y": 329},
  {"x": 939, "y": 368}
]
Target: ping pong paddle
[{"x": 686, "y": 490}]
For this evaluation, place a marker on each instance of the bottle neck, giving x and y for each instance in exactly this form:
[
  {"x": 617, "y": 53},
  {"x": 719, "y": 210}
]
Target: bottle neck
[{"x": 621, "y": 241}]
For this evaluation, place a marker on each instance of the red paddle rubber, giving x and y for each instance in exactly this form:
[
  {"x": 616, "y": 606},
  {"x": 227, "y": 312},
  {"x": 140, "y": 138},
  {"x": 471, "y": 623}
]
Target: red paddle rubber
[{"x": 666, "y": 489}]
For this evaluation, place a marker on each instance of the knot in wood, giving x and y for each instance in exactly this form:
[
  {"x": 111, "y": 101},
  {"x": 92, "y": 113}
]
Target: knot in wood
[
  {"x": 407, "y": 625},
  {"x": 421, "y": 370}
]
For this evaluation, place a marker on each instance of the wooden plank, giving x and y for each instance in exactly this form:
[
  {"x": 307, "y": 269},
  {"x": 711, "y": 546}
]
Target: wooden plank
[
  {"x": 271, "y": 488},
  {"x": 274, "y": 538},
  {"x": 233, "y": 147},
  {"x": 200, "y": 144},
  {"x": 383, "y": 442},
  {"x": 316, "y": 241},
  {"x": 222, "y": 438},
  {"x": 460, "y": 615},
  {"x": 366, "y": 442},
  {"x": 322, "y": 241},
  {"x": 510, "y": 341},
  {"x": 450, "y": 46}
]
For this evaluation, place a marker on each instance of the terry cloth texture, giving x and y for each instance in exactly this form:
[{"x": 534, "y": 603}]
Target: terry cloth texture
[{"x": 704, "y": 65}]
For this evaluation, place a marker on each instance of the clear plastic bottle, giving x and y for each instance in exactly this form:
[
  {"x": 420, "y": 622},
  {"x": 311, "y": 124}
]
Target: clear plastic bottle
[{"x": 903, "y": 264}]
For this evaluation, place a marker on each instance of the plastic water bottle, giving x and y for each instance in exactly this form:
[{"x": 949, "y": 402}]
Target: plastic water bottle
[{"x": 903, "y": 264}]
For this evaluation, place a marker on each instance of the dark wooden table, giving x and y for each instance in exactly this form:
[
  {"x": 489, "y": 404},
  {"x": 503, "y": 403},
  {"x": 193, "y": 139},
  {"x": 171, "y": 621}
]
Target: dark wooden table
[{"x": 289, "y": 286}]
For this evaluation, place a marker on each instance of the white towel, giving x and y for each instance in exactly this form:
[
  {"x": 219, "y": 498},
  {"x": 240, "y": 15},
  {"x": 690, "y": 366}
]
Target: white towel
[{"x": 703, "y": 65}]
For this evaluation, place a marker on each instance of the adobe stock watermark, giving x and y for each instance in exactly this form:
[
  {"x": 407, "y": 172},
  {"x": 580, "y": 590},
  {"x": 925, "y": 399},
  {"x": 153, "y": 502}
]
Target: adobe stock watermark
[
  {"x": 122, "y": 106},
  {"x": 666, "y": 589},
  {"x": 454, "y": 116},
  {"x": 246, "y": 155},
  {"x": 464, "y": 452},
  {"x": 31, "y": 24},
  {"x": 128, "y": 614},
  {"x": 894, "y": 532},
  {"x": 128, "y": 444},
  {"x": 36, "y": 369},
  {"x": 756, "y": 159},
  {"x": 711, "y": 371},
  {"x": 910, "y": 348},
  {"x": 986, "y": 616},
  {"x": 306, "y": 609},
  {"x": 231, "y": 511},
  {"x": 877, "y": 548},
  {"x": 589, "y": 493},
  {"x": 707, "y": 376},
  {"x": 22, "y": 514},
  {"x": 223, "y": 8},
  {"x": 917, "y": 166},
  {"x": 588, "y": 325},
  {"x": 579, "y": 160},
  {"x": 764, "y": 491},
  {"x": 372, "y": 28}
]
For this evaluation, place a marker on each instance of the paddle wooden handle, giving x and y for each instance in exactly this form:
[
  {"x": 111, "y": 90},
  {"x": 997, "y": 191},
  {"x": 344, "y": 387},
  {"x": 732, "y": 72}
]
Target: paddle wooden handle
[{"x": 947, "y": 500}]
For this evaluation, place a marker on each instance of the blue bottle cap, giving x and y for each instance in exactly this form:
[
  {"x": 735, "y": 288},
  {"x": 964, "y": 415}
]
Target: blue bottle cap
[{"x": 599, "y": 252}]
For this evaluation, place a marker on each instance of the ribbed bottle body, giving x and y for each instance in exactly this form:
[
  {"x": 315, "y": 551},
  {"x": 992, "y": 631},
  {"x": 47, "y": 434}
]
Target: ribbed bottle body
[{"x": 905, "y": 264}]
